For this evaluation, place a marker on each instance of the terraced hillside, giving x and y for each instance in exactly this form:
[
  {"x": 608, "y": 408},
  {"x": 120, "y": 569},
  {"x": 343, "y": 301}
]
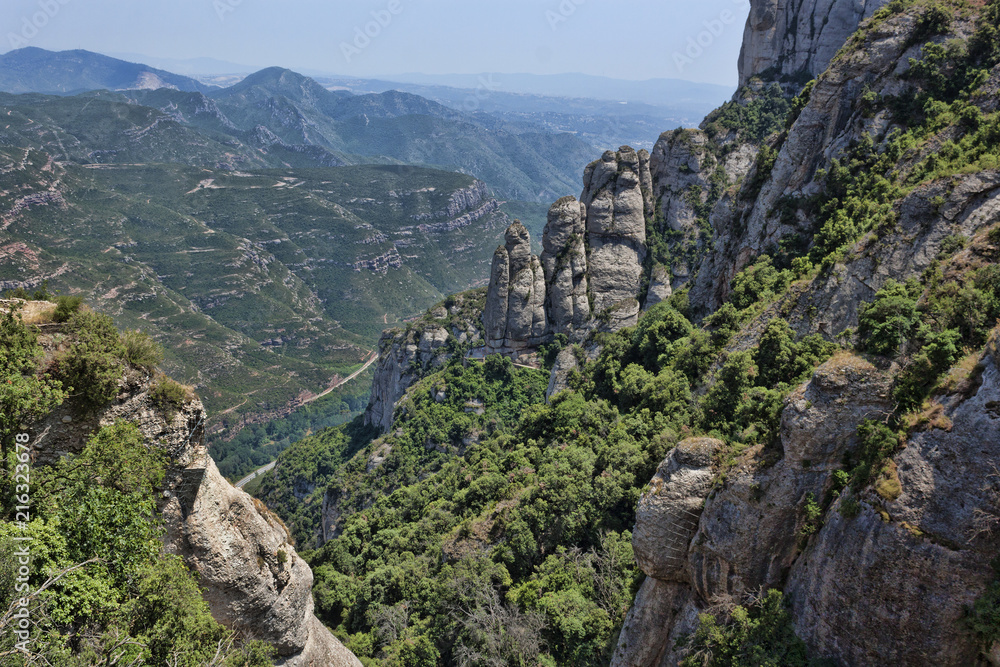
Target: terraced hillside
[{"x": 264, "y": 285}]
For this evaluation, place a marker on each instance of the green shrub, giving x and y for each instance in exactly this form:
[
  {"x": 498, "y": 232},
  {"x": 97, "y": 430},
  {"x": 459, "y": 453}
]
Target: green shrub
[
  {"x": 952, "y": 244},
  {"x": 760, "y": 282},
  {"x": 92, "y": 365},
  {"x": 24, "y": 394},
  {"x": 812, "y": 516},
  {"x": 983, "y": 618},
  {"x": 66, "y": 307},
  {"x": 885, "y": 323},
  {"x": 781, "y": 360},
  {"x": 850, "y": 507},
  {"x": 759, "y": 634},
  {"x": 141, "y": 351},
  {"x": 876, "y": 443},
  {"x": 168, "y": 396}
]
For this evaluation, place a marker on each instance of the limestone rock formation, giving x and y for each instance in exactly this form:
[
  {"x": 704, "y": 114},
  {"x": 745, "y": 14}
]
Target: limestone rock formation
[
  {"x": 681, "y": 166},
  {"x": 921, "y": 551},
  {"x": 252, "y": 577},
  {"x": 564, "y": 260},
  {"x": 616, "y": 232},
  {"x": 402, "y": 358},
  {"x": 789, "y": 37},
  {"x": 514, "y": 317},
  {"x": 406, "y": 355},
  {"x": 659, "y": 286},
  {"x": 668, "y": 513},
  {"x": 925, "y": 551},
  {"x": 751, "y": 223}
]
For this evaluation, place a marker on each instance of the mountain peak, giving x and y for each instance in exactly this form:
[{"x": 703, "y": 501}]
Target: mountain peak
[{"x": 36, "y": 70}]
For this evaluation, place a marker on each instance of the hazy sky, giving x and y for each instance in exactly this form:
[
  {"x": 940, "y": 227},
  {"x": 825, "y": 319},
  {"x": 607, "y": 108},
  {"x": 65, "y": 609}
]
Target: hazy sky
[{"x": 627, "y": 39}]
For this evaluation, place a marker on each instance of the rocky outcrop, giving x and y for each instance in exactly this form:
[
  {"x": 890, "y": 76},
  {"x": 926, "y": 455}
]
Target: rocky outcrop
[
  {"x": 681, "y": 165},
  {"x": 564, "y": 260},
  {"x": 659, "y": 286},
  {"x": 668, "y": 513},
  {"x": 616, "y": 232},
  {"x": 795, "y": 37},
  {"x": 252, "y": 578},
  {"x": 514, "y": 318},
  {"x": 591, "y": 268},
  {"x": 407, "y": 355},
  {"x": 926, "y": 551},
  {"x": 921, "y": 550},
  {"x": 751, "y": 222},
  {"x": 971, "y": 204}
]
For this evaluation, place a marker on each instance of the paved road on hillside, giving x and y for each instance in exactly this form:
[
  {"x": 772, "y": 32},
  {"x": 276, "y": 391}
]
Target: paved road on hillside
[{"x": 270, "y": 466}]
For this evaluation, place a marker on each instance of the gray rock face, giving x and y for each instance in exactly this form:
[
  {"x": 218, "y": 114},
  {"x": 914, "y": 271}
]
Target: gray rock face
[
  {"x": 406, "y": 355},
  {"x": 659, "y": 286},
  {"x": 252, "y": 577},
  {"x": 793, "y": 36},
  {"x": 668, "y": 513},
  {"x": 819, "y": 419},
  {"x": 972, "y": 204},
  {"x": 749, "y": 531},
  {"x": 616, "y": 229},
  {"x": 870, "y": 592},
  {"x": 514, "y": 317},
  {"x": 564, "y": 260},
  {"x": 744, "y": 227},
  {"x": 681, "y": 166},
  {"x": 924, "y": 552},
  {"x": 662, "y": 613}
]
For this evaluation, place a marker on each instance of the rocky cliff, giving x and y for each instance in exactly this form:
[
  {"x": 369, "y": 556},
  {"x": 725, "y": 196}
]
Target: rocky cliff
[
  {"x": 407, "y": 355},
  {"x": 591, "y": 270},
  {"x": 921, "y": 548},
  {"x": 772, "y": 204},
  {"x": 916, "y": 537},
  {"x": 798, "y": 37},
  {"x": 252, "y": 578}
]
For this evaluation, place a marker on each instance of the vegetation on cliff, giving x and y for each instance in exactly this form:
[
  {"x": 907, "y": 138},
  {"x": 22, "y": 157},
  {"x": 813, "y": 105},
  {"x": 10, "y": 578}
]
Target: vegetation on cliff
[{"x": 100, "y": 589}]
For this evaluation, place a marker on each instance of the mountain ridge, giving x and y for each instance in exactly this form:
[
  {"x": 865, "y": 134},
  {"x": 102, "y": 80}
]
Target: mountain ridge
[{"x": 34, "y": 70}]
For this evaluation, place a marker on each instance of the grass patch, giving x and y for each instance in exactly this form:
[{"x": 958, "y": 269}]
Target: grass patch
[{"x": 169, "y": 396}]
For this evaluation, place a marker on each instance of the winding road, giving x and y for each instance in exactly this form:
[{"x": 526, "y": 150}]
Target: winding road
[{"x": 270, "y": 466}]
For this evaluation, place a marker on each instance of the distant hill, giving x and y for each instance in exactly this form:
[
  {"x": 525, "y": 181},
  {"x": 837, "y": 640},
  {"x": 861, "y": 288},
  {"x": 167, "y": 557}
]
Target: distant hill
[
  {"x": 272, "y": 118},
  {"x": 34, "y": 70},
  {"x": 259, "y": 283},
  {"x": 659, "y": 92}
]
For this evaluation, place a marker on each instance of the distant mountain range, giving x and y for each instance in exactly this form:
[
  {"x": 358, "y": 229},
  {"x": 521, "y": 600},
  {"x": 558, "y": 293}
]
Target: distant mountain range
[
  {"x": 254, "y": 229},
  {"x": 34, "y": 70},
  {"x": 278, "y": 118},
  {"x": 658, "y": 92}
]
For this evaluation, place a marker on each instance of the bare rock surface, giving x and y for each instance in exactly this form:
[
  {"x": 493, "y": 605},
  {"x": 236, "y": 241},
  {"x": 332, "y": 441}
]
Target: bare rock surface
[
  {"x": 798, "y": 36},
  {"x": 514, "y": 317},
  {"x": 564, "y": 260},
  {"x": 747, "y": 224},
  {"x": 253, "y": 579},
  {"x": 660, "y": 614},
  {"x": 616, "y": 231},
  {"x": 668, "y": 513}
]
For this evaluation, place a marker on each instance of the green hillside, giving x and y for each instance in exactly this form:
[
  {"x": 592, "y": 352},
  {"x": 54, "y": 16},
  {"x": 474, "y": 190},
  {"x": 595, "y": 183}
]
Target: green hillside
[{"x": 262, "y": 285}]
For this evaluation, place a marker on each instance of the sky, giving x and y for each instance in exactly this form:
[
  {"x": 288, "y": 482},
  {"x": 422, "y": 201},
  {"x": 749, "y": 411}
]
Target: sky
[{"x": 624, "y": 39}]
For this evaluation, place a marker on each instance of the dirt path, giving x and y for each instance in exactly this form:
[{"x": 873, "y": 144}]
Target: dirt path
[
  {"x": 263, "y": 469},
  {"x": 371, "y": 360}
]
